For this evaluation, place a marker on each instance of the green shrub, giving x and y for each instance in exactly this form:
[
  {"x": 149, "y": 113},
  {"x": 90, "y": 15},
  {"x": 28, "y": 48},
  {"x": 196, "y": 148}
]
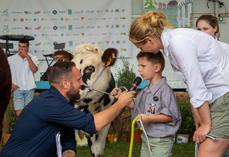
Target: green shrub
[
  {"x": 125, "y": 75},
  {"x": 187, "y": 124}
]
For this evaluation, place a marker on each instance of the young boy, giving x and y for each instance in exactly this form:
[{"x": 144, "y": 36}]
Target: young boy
[{"x": 157, "y": 107}]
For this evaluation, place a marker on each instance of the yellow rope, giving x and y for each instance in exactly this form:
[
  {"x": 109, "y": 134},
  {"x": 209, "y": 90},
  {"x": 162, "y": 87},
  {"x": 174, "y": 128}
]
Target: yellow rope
[{"x": 132, "y": 134}]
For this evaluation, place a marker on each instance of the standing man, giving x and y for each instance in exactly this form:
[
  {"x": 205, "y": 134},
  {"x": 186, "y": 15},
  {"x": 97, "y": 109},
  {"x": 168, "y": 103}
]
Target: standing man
[
  {"x": 23, "y": 65},
  {"x": 52, "y": 113}
]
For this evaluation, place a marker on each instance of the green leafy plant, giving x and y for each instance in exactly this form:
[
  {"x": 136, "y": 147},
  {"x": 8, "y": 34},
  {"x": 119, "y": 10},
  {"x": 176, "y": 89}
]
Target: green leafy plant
[
  {"x": 187, "y": 124},
  {"x": 121, "y": 125},
  {"x": 125, "y": 75}
]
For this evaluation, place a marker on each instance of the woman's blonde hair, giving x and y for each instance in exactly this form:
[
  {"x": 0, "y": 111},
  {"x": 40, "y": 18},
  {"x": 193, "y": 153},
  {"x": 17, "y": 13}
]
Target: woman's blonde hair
[{"x": 149, "y": 24}]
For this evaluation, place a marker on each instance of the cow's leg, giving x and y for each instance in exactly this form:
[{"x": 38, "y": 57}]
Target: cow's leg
[{"x": 98, "y": 142}]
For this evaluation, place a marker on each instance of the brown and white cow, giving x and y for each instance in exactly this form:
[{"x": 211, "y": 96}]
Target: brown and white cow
[{"x": 95, "y": 65}]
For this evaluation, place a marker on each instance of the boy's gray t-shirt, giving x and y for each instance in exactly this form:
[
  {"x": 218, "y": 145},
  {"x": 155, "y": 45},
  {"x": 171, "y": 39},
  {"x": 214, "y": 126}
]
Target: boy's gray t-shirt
[{"x": 158, "y": 99}]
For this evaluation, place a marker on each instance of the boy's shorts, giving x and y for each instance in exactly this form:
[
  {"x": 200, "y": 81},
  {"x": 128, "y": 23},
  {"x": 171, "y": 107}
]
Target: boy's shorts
[
  {"x": 220, "y": 117},
  {"x": 160, "y": 147},
  {"x": 21, "y": 98}
]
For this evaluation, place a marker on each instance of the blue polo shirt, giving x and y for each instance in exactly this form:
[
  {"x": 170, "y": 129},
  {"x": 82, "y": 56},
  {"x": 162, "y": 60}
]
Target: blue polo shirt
[{"x": 46, "y": 115}]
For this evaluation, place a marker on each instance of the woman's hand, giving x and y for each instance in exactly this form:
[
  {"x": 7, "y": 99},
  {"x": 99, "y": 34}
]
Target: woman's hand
[{"x": 200, "y": 133}]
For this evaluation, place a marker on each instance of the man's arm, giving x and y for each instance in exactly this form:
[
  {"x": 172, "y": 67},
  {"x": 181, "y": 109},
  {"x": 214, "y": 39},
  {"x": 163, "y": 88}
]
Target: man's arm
[
  {"x": 32, "y": 65},
  {"x": 68, "y": 142},
  {"x": 104, "y": 117}
]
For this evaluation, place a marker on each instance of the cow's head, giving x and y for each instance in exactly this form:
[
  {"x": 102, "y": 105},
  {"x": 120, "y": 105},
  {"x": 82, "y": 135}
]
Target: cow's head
[{"x": 94, "y": 65}]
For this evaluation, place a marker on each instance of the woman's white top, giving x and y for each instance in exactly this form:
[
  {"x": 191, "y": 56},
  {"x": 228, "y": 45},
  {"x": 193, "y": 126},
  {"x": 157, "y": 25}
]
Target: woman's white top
[{"x": 201, "y": 59}]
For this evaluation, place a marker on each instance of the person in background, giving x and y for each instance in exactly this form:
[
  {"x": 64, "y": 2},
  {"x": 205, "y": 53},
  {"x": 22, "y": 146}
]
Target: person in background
[
  {"x": 156, "y": 104},
  {"x": 23, "y": 65},
  {"x": 5, "y": 87},
  {"x": 203, "y": 62},
  {"x": 60, "y": 55},
  {"x": 52, "y": 114},
  {"x": 209, "y": 24}
]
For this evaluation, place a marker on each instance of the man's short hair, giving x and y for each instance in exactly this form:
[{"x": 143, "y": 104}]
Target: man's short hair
[
  {"x": 60, "y": 70},
  {"x": 154, "y": 58},
  {"x": 24, "y": 41}
]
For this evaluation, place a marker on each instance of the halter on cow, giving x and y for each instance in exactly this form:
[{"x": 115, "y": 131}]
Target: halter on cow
[{"x": 95, "y": 65}]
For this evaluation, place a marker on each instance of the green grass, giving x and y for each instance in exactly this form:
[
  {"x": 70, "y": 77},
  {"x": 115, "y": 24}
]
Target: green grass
[{"x": 121, "y": 149}]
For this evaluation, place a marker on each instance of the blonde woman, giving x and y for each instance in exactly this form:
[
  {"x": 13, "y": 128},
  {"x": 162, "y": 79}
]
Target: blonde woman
[{"x": 204, "y": 65}]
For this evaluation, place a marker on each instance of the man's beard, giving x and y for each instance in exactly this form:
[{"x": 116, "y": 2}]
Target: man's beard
[{"x": 73, "y": 95}]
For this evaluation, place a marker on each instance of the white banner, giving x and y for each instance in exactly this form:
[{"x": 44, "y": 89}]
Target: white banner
[{"x": 101, "y": 22}]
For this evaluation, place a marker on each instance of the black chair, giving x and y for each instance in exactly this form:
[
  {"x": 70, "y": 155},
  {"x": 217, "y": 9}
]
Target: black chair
[
  {"x": 59, "y": 46},
  {"x": 49, "y": 58},
  {"x": 7, "y": 47}
]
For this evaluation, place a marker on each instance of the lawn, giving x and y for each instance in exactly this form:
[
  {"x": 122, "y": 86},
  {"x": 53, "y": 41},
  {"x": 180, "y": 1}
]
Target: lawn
[{"x": 121, "y": 149}]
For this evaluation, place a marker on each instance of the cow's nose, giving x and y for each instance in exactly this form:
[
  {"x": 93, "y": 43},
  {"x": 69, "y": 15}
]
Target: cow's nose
[
  {"x": 83, "y": 87},
  {"x": 87, "y": 100}
]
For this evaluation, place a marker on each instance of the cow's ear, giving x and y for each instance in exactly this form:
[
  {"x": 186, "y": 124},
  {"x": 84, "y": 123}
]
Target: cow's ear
[{"x": 109, "y": 56}]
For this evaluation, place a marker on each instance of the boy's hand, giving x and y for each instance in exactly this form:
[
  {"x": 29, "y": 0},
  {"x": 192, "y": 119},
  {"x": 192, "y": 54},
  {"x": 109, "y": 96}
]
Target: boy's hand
[{"x": 131, "y": 105}]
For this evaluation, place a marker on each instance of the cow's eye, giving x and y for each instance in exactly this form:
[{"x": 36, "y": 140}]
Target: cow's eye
[{"x": 81, "y": 61}]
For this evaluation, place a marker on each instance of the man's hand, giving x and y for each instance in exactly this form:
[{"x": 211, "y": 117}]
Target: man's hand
[
  {"x": 23, "y": 51},
  {"x": 116, "y": 92},
  {"x": 125, "y": 98},
  {"x": 69, "y": 153},
  {"x": 14, "y": 87}
]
